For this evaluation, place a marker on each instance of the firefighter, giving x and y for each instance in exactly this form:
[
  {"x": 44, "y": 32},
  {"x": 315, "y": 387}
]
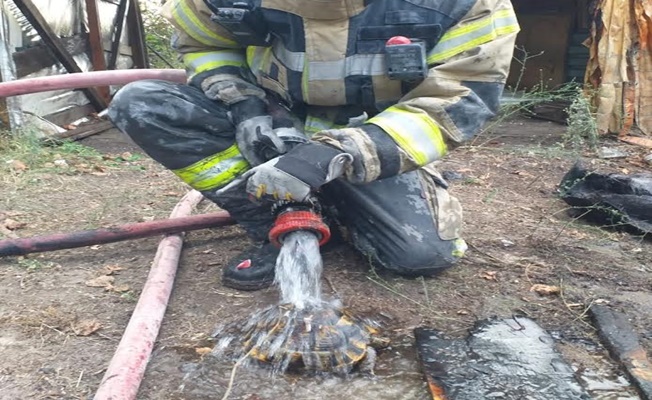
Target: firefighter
[{"x": 349, "y": 100}]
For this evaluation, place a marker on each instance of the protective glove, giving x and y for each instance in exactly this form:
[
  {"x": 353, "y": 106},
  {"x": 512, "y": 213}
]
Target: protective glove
[
  {"x": 295, "y": 175},
  {"x": 254, "y": 134},
  {"x": 257, "y": 140}
]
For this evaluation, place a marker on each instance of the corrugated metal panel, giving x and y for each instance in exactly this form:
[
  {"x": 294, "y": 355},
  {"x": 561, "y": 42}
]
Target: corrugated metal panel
[
  {"x": 65, "y": 17},
  {"x": 47, "y": 103}
]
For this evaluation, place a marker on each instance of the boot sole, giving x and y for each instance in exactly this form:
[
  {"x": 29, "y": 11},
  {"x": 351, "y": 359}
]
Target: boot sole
[{"x": 246, "y": 286}]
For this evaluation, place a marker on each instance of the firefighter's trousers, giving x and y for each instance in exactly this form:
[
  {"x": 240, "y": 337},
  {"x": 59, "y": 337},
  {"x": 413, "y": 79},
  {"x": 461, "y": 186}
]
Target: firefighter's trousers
[{"x": 408, "y": 223}]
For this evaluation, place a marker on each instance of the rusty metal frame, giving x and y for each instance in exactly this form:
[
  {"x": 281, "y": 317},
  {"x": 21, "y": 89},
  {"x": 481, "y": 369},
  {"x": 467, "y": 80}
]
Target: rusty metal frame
[
  {"x": 117, "y": 32},
  {"x": 95, "y": 42},
  {"x": 136, "y": 31}
]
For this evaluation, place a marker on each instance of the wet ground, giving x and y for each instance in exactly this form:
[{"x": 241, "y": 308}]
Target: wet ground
[
  {"x": 397, "y": 377},
  {"x": 519, "y": 233}
]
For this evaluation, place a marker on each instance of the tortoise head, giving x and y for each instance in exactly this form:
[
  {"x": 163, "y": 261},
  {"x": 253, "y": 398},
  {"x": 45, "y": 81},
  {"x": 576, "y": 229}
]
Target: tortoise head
[
  {"x": 379, "y": 342},
  {"x": 376, "y": 340}
]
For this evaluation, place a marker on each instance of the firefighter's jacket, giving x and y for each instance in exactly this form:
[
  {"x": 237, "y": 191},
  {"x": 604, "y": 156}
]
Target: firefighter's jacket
[{"x": 329, "y": 57}]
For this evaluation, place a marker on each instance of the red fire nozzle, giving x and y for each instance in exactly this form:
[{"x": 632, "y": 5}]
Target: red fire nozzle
[{"x": 298, "y": 220}]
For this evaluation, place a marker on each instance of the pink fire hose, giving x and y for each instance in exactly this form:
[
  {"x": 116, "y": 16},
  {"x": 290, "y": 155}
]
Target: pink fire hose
[
  {"x": 127, "y": 367},
  {"x": 88, "y": 79}
]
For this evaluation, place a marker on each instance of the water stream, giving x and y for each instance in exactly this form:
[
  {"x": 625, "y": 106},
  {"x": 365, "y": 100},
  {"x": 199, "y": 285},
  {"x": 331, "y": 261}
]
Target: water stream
[
  {"x": 300, "y": 323},
  {"x": 298, "y": 270}
]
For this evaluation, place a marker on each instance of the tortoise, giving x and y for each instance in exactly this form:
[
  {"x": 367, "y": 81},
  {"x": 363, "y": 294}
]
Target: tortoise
[{"x": 325, "y": 338}]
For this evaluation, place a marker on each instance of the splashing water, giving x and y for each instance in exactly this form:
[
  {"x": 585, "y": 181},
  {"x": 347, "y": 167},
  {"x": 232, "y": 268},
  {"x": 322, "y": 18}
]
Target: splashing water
[
  {"x": 298, "y": 270},
  {"x": 276, "y": 333},
  {"x": 298, "y": 331}
]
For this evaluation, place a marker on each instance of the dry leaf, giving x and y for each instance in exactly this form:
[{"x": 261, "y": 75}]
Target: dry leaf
[
  {"x": 104, "y": 281},
  {"x": 18, "y": 165},
  {"x": 86, "y": 327},
  {"x": 12, "y": 225},
  {"x": 119, "y": 288},
  {"x": 545, "y": 290},
  {"x": 489, "y": 275},
  {"x": 111, "y": 269},
  {"x": 202, "y": 351},
  {"x": 126, "y": 155}
]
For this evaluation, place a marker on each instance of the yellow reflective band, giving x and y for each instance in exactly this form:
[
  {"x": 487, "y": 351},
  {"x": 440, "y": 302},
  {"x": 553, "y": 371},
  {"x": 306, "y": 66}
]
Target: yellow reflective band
[
  {"x": 191, "y": 24},
  {"x": 304, "y": 82},
  {"x": 209, "y": 60},
  {"x": 466, "y": 37},
  {"x": 255, "y": 57},
  {"x": 214, "y": 171},
  {"x": 414, "y": 132}
]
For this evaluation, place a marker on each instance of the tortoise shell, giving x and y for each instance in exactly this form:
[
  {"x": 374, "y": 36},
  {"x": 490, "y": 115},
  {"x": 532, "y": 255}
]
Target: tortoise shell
[{"x": 320, "y": 339}]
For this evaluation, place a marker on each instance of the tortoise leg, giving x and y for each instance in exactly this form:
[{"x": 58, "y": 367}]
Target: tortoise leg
[
  {"x": 368, "y": 362},
  {"x": 311, "y": 362}
]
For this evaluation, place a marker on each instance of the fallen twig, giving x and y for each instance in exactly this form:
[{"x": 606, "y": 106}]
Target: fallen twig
[
  {"x": 332, "y": 286},
  {"x": 237, "y": 364},
  {"x": 425, "y": 291},
  {"x": 569, "y": 308},
  {"x": 387, "y": 287}
]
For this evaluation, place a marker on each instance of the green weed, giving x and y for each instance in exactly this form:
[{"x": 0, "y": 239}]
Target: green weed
[
  {"x": 25, "y": 150},
  {"x": 582, "y": 125},
  {"x": 31, "y": 264},
  {"x": 129, "y": 296},
  {"x": 158, "y": 34}
]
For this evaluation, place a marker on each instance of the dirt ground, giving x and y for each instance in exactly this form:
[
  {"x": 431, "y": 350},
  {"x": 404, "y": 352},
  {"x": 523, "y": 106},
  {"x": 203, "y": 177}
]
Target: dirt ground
[{"x": 59, "y": 324}]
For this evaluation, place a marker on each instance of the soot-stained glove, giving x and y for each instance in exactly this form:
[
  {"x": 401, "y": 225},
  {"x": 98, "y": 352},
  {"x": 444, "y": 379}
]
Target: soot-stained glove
[
  {"x": 254, "y": 133},
  {"x": 295, "y": 175}
]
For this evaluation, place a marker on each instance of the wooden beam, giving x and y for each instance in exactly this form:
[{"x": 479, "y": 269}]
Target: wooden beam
[
  {"x": 137, "y": 35},
  {"x": 67, "y": 116},
  {"x": 117, "y": 32},
  {"x": 35, "y": 18},
  {"x": 84, "y": 131},
  {"x": 95, "y": 41},
  {"x": 622, "y": 341}
]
